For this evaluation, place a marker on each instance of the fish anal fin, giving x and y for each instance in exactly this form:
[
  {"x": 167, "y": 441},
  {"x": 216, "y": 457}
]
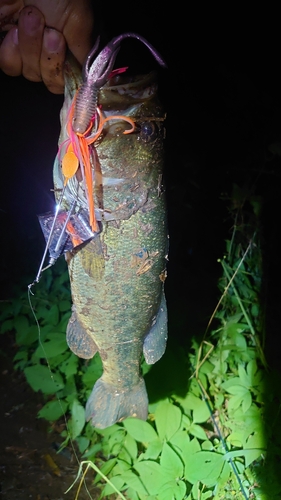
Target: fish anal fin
[{"x": 155, "y": 342}]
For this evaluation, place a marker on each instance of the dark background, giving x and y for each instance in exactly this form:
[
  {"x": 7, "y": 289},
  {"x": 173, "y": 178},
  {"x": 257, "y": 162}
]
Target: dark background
[{"x": 222, "y": 95}]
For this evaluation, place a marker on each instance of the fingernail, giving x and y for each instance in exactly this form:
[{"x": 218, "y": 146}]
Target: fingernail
[
  {"x": 52, "y": 40},
  {"x": 15, "y": 36},
  {"x": 31, "y": 20}
]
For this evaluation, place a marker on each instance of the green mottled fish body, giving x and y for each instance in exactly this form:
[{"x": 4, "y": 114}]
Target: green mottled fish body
[{"x": 117, "y": 278}]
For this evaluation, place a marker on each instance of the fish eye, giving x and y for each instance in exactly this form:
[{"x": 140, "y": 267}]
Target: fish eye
[{"x": 148, "y": 132}]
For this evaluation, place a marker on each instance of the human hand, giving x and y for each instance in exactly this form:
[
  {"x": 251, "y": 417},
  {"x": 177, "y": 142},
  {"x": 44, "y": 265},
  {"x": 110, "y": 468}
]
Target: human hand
[{"x": 38, "y": 35}]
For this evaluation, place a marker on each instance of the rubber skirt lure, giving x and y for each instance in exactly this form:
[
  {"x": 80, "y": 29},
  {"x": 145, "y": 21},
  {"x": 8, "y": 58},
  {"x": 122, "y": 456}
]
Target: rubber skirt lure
[{"x": 78, "y": 153}]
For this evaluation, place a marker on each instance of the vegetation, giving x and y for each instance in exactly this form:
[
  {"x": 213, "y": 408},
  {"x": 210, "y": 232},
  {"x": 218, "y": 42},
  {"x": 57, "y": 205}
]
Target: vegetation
[{"x": 219, "y": 439}]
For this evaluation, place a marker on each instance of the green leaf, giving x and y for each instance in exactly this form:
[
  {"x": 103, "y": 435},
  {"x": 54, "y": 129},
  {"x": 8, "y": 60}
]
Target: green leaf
[
  {"x": 77, "y": 418},
  {"x": 106, "y": 469},
  {"x": 179, "y": 440},
  {"x": 70, "y": 365},
  {"x": 117, "y": 481},
  {"x": 53, "y": 315},
  {"x": 241, "y": 396},
  {"x": 201, "y": 413},
  {"x": 116, "y": 441},
  {"x": 83, "y": 443},
  {"x": 171, "y": 462},
  {"x": 245, "y": 423},
  {"x": 236, "y": 438},
  {"x": 134, "y": 482},
  {"x": 172, "y": 490},
  {"x": 92, "y": 450},
  {"x": 254, "y": 374},
  {"x": 52, "y": 347},
  {"x": 21, "y": 355},
  {"x": 219, "y": 400},
  {"x": 153, "y": 450},
  {"x": 245, "y": 380},
  {"x": 190, "y": 402},
  {"x": 234, "y": 381},
  {"x": 225, "y": 473},
  {"x": 121, "y": 466},
  {"x": 247, "y": 401},
  {"x": 53, "y": 410},
  {"x": 190, "y": 448},
  {"x": 39, "y": 378},
  {"x": 203, "y": 466},
  {"x": 93, "y": 371},
  {"x": 167, "y": 419},
  {"x": 197, "y": 431},
  {"x": 240, "y": 341},
  {"x": 124, "y": 458},
  {"x": 64, "y": 305},
  {"x": 69, "y": 391},
  {"x": 232, "y": 328},
  {"x": 21, "y": 324},
  {"x": 255, "y": 446},
  {"x": 7, "y": 326},
  {"x": 27, "y": 336},
  {"x": 151, "y": 475},
  {"x": 207, "y": 445},
  {"x": 131, "y": 446},
  {"x": 132, "y": 494},
  {"x": 141, "y": 431}
]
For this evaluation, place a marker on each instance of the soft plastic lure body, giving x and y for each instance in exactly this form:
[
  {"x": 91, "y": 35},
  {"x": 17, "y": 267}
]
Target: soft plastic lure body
[
  {"x": 85, "y": 116},
  {"x": 96, "y": 73}
]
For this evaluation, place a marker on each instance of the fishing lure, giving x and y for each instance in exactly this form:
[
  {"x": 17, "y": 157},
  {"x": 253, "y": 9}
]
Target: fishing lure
[
  {"x": 84, "y": 112},
  {"x": 78, "y": 153},
  {"x": 84, "y": 125},
  {"x": 95, "y": 74}
]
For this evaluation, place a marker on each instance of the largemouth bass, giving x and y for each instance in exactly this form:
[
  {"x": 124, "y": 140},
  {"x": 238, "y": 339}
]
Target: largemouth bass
[{"x": 117, "y": 277}]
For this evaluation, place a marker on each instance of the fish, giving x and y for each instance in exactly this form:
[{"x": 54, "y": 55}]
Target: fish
[{"x": 117, "y": 276}]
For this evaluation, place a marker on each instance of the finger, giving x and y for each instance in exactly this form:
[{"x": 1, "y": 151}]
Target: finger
[
  {"x": 74, "y": 18},
  {"x": 9, "y": 13},
  {"x": 10, "y": 58},
  {"x": 52, "y": 60},
  {"x": 31, "y": 28},
  {"x": 78, "y": 30}
]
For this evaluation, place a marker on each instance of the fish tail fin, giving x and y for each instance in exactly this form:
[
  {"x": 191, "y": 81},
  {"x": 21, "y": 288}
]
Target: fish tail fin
[{"x": 108, "y": 404}]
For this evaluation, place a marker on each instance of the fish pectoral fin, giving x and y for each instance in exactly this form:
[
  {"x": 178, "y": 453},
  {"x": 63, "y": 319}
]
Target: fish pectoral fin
[
  {"x": 78, "y": 340},
  {"x": 92, "y": 259},
  {"x": 155, "y": 342},
  {"x": 108, "y": 404}
]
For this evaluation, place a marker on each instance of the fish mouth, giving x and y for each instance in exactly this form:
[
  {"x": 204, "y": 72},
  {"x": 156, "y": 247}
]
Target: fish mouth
[{"x": 124, "y": 90}]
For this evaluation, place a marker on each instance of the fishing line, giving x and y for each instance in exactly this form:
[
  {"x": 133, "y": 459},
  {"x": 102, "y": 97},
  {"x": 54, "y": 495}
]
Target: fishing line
[{"x": 29, "y": 293}]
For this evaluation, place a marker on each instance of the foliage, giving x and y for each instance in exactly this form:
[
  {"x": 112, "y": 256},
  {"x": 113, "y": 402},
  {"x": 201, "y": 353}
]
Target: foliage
[
  {"x": 49, "y": 366},
  {"x": 214, "y": 442}
]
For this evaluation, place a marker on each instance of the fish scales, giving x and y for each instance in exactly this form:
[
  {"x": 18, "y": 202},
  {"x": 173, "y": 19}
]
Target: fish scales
[{"x": 117, "y": 278}]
